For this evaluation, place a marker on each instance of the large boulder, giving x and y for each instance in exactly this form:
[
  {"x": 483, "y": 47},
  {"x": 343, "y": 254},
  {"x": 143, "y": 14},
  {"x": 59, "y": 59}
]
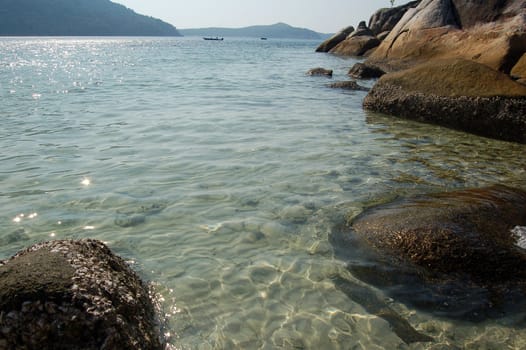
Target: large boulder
[
  {"x": 356, "y": 46},
  {"x": 458, "y": 254},
  {"x": 358, "y": 43},
  {"x": 337, "y": 38},
  {"x": 489, "y": 32},
  {"x": 74, "y": 295},
  {"x": 456, "y": 93},
  {"x": 385, "y": 19}
]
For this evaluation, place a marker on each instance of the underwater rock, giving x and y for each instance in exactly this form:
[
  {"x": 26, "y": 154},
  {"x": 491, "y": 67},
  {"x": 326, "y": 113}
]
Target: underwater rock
[
  {"x": 74, "y": 295},
  {"x": 455, "y": 254},
  {"x": 137, "y": 216}
]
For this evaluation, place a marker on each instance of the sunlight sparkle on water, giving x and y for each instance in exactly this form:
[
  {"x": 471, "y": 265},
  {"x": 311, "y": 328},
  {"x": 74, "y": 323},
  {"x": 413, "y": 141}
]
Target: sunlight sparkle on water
[
  {"x": 86, "y": 181},
  {"x": 23, "y": 216}
]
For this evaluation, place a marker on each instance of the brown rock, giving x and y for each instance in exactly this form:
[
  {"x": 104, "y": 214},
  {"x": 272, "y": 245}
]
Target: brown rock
[
  {"x": 456, "y": 254},
  {"x": 337, "y": 38},
  {"x": 456, "y": 93},
  {"x": 320, "y": 72},
  {"x": 356, "y": 46},
  {"x": 519, "y": 70},
  {"x": 495, "y": 35},
  {"x": 467, "y": 231},
  {"x": 382, "y": 35}
]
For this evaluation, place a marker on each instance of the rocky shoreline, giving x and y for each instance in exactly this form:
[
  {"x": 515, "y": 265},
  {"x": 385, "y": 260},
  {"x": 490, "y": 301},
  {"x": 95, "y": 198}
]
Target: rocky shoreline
[
  {"x": 407, "y": 45},
  {"x": 461, "y": 64}
]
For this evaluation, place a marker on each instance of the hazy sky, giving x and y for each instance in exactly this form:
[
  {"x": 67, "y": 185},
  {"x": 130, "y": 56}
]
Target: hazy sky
[{"x": 326, "y": 16}]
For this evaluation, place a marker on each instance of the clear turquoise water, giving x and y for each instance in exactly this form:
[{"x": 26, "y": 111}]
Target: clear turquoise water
[{"x": 219, "y": 169}]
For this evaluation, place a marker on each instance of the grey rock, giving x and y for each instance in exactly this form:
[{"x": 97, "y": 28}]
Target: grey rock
[
  {"x": 385, "y": 19},
  {"x": 365, "y": 71},
  {"x": 362, "y": 30}
]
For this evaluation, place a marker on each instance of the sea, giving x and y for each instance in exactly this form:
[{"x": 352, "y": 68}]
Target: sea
[{"x": 218, "y": 170}]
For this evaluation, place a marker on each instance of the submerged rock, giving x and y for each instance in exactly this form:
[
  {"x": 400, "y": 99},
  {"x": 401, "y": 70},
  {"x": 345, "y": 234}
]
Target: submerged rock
[
  {"x": 456, "y": 254},
  {"x": 320, "y": 72},
  {"x": 348, "y": 85},
  {"x": 74, "y": 295},
  {"x": 456, "y": 93}
]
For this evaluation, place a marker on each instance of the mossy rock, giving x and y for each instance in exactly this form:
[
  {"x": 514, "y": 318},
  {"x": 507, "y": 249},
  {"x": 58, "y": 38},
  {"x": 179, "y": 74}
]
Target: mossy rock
[{"x": 455, "y": 93}]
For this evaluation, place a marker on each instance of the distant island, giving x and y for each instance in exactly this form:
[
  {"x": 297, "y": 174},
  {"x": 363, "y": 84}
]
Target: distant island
[
  {"x": 77, "y": 18},
  {"x": 274, "y": 31}
]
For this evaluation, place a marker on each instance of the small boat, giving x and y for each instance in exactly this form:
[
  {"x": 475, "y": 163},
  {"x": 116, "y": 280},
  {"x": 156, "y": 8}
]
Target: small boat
[
  {"x": 211, "y": 38},
  {"x": 263, "y": 38}
]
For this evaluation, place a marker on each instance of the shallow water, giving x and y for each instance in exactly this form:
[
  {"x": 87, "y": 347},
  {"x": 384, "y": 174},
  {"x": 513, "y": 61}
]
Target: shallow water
[{"x": 218, "y": 169}]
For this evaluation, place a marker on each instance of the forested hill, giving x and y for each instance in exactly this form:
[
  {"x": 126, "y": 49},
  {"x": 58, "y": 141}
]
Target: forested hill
[
  {"x": 277, "y": 31},
  {"x": 77, "y": 18}
]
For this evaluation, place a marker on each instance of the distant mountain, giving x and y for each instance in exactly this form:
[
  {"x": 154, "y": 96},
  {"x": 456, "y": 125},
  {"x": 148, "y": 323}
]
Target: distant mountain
[
  {"x": 277, "y": 31},
  {"x": 77, "y": 18}
]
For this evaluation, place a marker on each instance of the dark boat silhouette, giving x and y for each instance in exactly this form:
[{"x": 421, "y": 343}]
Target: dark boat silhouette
[{"x": 212, "y": 38}]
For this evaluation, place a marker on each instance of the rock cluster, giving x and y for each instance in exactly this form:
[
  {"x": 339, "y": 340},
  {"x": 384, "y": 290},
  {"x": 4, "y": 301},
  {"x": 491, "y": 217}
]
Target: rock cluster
[
  {"x": 414, "y": 37},
  {"x": 74, "y": 295}
]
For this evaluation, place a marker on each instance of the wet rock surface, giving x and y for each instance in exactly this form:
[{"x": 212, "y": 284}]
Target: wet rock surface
[
  {"x": 455, "y": 254},
  {"x": 348, "y": 85},
  {"x": 74, "y": 295},
  {"x": 456, "y": 93}
]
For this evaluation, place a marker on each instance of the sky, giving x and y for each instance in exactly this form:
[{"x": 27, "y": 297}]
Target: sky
[{"x": 324, "y": 16}]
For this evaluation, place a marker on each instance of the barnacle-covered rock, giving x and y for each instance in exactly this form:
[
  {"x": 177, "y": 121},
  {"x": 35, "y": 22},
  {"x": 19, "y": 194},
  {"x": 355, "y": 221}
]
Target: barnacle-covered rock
[{"x": 74, "y": 295}]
